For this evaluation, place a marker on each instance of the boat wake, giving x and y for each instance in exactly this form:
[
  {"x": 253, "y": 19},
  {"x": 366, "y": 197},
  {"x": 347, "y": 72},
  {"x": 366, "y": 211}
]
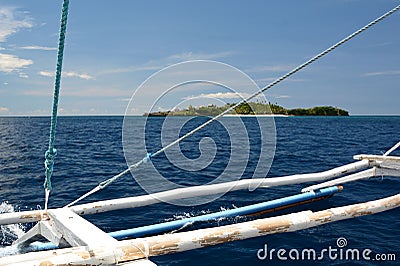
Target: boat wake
[
  {"x": 9, "y": 233},
  {"x": 209, "y": 221}
]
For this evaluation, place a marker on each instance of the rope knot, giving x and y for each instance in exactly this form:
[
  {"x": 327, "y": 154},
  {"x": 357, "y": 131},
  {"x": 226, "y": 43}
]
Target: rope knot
[
  {"x": 147, "y": 158},
  {"x": 50, "y": 155}
]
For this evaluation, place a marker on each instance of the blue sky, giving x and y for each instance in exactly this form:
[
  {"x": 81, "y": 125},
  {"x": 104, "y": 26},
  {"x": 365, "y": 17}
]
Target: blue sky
[{"x": 114, "y": 46}]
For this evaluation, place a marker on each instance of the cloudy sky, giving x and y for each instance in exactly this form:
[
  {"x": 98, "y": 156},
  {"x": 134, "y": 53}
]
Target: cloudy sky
[{"x": 114, "y": 46}]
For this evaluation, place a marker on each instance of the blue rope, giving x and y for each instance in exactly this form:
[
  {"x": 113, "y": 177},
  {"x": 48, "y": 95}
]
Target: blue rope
[
  {"x": 51, "y": 153},
  {"x": 148, "y": 157}
]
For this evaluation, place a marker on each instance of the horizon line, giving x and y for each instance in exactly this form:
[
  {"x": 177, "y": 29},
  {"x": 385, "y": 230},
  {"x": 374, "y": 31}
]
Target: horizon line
[{"x": 142, "y": 115}]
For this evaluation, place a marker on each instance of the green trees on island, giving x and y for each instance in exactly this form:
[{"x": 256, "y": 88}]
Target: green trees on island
[
  {"x": 319, "y": 111},
  {"x": 253, "y": 108}
]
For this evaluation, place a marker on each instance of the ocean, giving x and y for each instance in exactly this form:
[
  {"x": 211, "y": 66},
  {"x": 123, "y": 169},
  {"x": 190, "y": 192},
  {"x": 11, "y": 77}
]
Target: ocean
[{"x": 90, "y": 150}]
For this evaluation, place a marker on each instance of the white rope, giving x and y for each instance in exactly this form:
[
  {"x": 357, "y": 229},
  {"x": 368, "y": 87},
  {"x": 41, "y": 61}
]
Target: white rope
[
  {"x": 392, "y": 149},
  {"x": 305, "y": 64},
  {"x": 107, "y": 182}
]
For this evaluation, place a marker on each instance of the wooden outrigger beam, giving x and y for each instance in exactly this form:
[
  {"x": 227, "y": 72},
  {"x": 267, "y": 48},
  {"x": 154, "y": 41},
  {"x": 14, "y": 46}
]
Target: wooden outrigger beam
[
  {"x": 66, "y": 228},
  {"x": 380, "y": 158},
  {"x": 140, "y": 248}
]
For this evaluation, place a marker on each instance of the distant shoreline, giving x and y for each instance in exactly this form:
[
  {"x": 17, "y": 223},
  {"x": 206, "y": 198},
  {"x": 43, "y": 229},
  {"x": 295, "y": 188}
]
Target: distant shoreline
[
  {"x": 251, "y": 109},
  {"x": 140, "y": 115},
  {"x": 260, "y": 115}
]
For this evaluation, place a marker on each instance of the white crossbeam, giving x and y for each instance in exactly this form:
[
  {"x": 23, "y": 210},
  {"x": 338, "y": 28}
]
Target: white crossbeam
[{"x": 78, "y": 231}]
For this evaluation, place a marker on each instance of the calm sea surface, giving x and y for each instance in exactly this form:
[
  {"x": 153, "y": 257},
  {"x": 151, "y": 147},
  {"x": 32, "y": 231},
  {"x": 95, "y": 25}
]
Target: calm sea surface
[{"x": 90, "y": 150}]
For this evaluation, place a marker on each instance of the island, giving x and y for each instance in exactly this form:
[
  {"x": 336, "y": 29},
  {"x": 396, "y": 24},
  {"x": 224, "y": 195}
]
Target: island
[{"x": 252, "y": 108}]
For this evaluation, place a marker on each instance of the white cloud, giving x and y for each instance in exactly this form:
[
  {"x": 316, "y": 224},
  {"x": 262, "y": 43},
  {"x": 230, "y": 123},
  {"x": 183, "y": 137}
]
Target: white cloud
[
  {"x": 11, "y": 63},
  {"x": 155, "y": 65},
  {"x": 277, "y": 68},
  {"x": 131, "y": 69},
  {"x": 77, "y": 75},
  {"x": 264, "y": 81},
  {"x": 23, "y": 75},
  {"x": 382, "y": 73},
  {"x": 41, "y": 48},
  {"x": 70, "y": 74},
  {"x": 282, "y": 96},
  {"x": 46, "y": 74},
  {"x": 4, "y": 110},
  {"x": 82, "y": 92},
  {"x": 219, "y": 95},
  {"x": 198, "y": 56},
  {"x": 124, "y": 99},
  {"x": 12, "y": 21}
]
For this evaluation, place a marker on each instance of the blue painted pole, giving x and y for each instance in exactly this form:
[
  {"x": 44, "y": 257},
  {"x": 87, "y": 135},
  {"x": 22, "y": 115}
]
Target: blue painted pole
[{"x": 241, "y": 211}]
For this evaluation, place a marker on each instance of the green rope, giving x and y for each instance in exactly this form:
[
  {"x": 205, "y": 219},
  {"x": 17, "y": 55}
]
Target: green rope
[{"x": 51, "y": 153}]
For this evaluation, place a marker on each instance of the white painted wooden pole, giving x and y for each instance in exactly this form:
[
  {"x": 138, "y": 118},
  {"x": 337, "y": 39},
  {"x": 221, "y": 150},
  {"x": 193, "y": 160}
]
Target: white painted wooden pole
[
  {"x": 196, "y": 191},
  {"x": 182, "y": 193},
  {"x": 22, "y": 217},
  {"x": 129, "y": 250}
]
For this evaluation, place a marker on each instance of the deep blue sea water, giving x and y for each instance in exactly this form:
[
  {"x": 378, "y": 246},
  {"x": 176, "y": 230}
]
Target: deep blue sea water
[{"x": 90, "y": 150}]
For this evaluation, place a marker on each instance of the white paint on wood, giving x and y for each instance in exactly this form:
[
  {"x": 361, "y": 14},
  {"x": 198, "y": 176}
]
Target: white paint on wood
[
  {"x": 78, "y": 231},
  {"x": 130, "y": 250}
]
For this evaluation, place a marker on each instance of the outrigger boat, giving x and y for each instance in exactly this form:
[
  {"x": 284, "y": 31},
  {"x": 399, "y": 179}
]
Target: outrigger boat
[{"x": 72, "y": 240}]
